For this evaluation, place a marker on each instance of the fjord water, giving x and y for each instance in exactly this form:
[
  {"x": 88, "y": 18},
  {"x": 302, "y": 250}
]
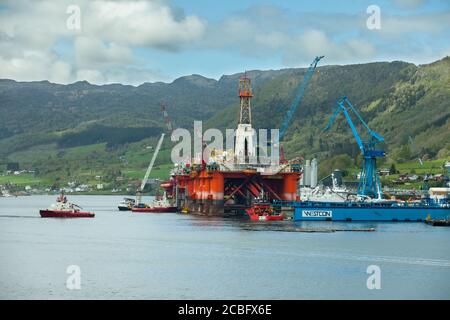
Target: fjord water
[{"x": 124, "y": 255}]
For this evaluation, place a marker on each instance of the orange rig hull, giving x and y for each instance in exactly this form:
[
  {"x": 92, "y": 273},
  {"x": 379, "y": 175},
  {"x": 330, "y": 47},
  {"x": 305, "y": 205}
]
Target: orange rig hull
[{"x": 221, "y": 193}]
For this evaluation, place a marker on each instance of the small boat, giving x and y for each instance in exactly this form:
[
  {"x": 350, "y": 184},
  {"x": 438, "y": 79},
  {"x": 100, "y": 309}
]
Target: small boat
[
  {"x": 438, "y": 222},
  {"x": 126, "y": 204},
  {"x": 185, "y": 210},
  {"x": 262, "y": 212},
  {"x": 64, "y": 209},
  {"x": 160, "y": 204}
]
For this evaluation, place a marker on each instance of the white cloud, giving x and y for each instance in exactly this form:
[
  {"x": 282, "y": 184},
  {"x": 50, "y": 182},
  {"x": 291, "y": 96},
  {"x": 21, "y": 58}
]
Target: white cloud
[
  {"x": 134, "y": 75},
  {"x": 60, "y": 71},
  {"x": 342, "y": 38},
  {"x": 93, "y": 52},
  {"x": 144, "y": 23},
  {"x": 30, "y": 31},
  {"x": 104, "y": 50},
  {"x": 90, "y": 75},
  {"x": 34, "y": 66},
  {"x": 311, "y": 43},
  {"x": 431, "y": 23},
  {"x": 410, "y": 3}
]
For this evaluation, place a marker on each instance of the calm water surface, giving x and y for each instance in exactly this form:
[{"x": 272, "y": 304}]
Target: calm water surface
[{"x": 123, "y": 255}]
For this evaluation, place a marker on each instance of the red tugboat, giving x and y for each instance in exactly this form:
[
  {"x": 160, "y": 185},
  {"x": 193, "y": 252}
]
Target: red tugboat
[
  {"x": 263, "y": 212},
  {"x": 64, "y": 209}
]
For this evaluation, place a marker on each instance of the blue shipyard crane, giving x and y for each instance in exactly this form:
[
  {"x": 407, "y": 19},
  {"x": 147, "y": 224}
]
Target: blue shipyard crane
[
  {"x": 369, "y": 182},
  {"x": 298, "y": 97}
]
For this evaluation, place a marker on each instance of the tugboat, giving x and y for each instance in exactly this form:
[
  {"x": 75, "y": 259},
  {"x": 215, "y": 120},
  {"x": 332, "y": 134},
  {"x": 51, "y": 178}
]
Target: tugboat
[
  {"x": 262, "y": 210},
  {"x": 160, "y": 204},
  {"x": 64, "y": 209},
  {"x": 126, "y": 204}
]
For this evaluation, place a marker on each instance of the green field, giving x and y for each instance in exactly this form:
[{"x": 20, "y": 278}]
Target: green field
[
  {"x": 159, "y": 171},
  {"x": 126, "y": 166},
  {"x": 428, "y": 166},
  {"x": 410, "y": 167},
  {"x": 415, "y": 167},
  {"x": 90, "y": 164},
  {"x": 24, "y": 179}
]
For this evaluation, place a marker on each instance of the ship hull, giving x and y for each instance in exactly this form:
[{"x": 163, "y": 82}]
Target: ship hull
[
  {"x": 325, "y": 212},
  {"x": 262, "y": 212},
  {"x": 205, "y": 207},
  {"x": 155, "y": 209},
  {"x": 229, "y": 193},
  {"x": 65, "y": 214},
  {"x": 256, "y": 217}
]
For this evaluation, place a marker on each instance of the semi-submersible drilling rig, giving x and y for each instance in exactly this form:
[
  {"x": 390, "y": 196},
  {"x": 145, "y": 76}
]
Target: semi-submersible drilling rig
[{"x": 228, "y": 182}]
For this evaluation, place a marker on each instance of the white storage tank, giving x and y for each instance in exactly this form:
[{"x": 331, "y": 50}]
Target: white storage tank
[
  {"x": 307, "y": 173},
  {"x": 314, "y": 173}
]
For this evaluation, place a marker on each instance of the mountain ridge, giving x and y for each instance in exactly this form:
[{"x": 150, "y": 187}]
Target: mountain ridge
[{"x": 406, "y": 103}]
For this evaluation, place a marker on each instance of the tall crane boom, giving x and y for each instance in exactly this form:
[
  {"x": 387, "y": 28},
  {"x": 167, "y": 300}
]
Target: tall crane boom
[
  {"x": 369, "y": 182},
  {"x": 298, "y": 97},
  {"x": 149, "y": 169}
]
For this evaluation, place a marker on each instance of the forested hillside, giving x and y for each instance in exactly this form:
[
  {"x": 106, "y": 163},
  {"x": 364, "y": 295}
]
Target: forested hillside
[
  {"x": 111, "y": 128},
  {"x": 409, "y": 105}
]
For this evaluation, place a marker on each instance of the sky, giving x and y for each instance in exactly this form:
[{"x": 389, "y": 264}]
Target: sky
[{"x": 137, "y": 41}]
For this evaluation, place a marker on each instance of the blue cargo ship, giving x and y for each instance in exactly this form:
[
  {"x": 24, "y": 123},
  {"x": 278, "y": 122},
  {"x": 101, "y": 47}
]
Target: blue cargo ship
[{"x": 367, "y": 211}]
